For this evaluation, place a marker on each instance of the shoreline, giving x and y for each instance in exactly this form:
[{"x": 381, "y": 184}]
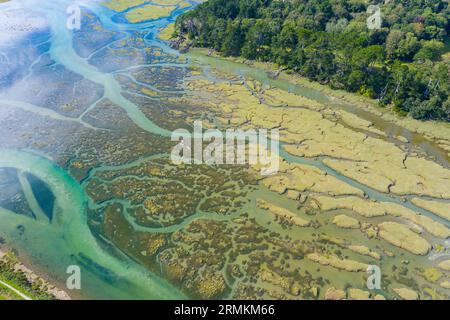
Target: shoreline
[
  {"x": 33, "y": 277},
  {"x": 432, "y": 137},
  {"x": 433, "y": 129}
]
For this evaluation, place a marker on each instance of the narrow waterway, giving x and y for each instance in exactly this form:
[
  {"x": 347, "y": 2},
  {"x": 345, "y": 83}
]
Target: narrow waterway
[{"x": 69, "y": 240}]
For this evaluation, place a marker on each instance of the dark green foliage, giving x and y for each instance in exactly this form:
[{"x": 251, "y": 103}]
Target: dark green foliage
[{"x": 329, "y": 41}]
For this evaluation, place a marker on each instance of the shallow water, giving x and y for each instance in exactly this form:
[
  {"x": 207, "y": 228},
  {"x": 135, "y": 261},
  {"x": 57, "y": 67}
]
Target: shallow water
[
  {"x": 60, "y": 235},
  {"x": 389, "y": 128},
  {"x": 68, "y": 240},
  {"x": 62, "y": 244}
]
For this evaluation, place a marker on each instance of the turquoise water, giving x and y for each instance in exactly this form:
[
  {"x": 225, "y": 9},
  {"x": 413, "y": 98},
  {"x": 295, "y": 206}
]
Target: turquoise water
[
  {"x": 53, "y": 243},
  {"x": 59, "y": 245},
  {"x": 67, "y": 240}
]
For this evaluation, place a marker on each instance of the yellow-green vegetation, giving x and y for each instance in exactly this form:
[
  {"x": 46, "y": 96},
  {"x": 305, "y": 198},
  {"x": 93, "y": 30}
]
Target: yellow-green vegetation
[
  {"x": 307, "y": 178},
  {"x": 359, "y": 205},
  {"x": 341, "y": 264},
  {"x": 274, "y": 278},
  {"x": 358, "y": 294},
  {"x": 283, "y": 214},
  {"x": 145, "y": 9},
  {"x": 376, "y": 231},
  {"x": 335, "y": 294},
  {"x": 346, "y": 222},
  {"x": 372, "y": 161},
  {"x": 445, "y": 265},
  {"x": 401, "y": 236},
  {"x": 445, "y": 284},
  {"x": 365, "y": 251},
  {"x": 406, "y": 294},
  {"x": 149, "y": 12},
  {"x": 390, "y": 171},
  {"x": 306, "y": 231},
  {"x": 440, "y": 208},
  {"x": 432, "y": 274},
  {"x": 167, "y": 32},
  {"x": 437, "y": 132},
  {"x": 122, "y": 5},
  {"x": 378, "y": 209},
  {"x": 169, "y": 2},
  {"x": 211, "y": 286}
]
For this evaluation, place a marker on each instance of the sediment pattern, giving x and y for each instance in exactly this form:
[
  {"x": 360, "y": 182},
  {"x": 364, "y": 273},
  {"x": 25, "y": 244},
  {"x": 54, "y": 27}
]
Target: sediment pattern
[{"x": 348, "y": 194}]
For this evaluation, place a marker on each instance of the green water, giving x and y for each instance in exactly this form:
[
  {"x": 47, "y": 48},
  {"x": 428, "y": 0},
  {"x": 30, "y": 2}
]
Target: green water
[
  {"x": 52, "y": 244},
  {"x": 59, "y": 244},
  {"x": 51, "y": 248}
]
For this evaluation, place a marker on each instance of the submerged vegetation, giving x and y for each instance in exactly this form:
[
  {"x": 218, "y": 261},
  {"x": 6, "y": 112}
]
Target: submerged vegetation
[
  {"x": 93, "y": 183},
  {"x": 402, "y": 64}
]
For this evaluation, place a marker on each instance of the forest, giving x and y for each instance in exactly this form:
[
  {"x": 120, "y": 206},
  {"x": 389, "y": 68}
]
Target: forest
[{"x": 404, "y": 64}]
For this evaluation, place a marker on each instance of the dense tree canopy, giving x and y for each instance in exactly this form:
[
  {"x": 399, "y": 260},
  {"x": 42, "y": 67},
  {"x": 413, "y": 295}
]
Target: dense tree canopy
[{"x": 329, "y": 41}]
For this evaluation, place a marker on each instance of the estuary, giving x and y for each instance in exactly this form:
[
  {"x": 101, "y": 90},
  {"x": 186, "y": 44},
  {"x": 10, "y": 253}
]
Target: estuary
[{"x": 86, "y": 179}]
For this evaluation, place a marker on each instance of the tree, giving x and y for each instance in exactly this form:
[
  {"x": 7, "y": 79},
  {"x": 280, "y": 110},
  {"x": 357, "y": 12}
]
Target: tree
[
  {"x": 234, "y": 38},
  {"x": 328, "y": 41},
  {"x": 392, "y": 42},
  {"x": 431, "y": 50},
  {"x": 407, "y": 47}
]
